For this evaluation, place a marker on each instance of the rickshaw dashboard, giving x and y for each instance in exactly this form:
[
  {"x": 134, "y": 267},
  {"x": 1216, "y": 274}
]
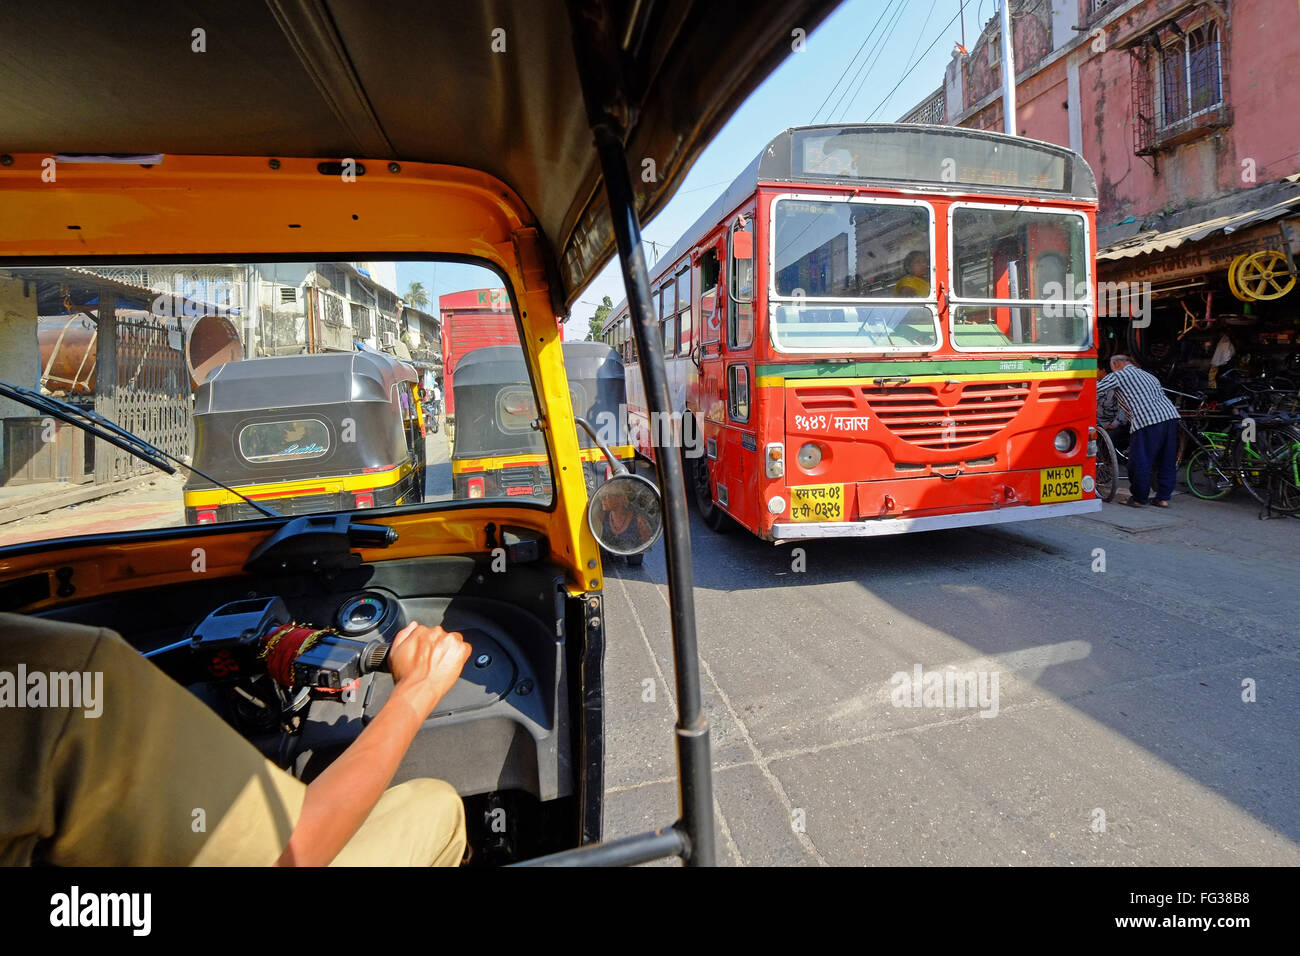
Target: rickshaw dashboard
[{"x": 505, "y": 725}]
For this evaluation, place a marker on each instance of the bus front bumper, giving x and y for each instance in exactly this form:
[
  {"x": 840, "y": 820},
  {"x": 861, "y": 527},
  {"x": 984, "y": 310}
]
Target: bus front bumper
[{"x": 792, "y": 531}]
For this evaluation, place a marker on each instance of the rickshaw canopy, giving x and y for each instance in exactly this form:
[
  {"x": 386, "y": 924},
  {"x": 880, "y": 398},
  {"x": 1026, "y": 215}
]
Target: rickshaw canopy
[
  {"x": 489, "y": 86},
  {"x": 301, "y": 381}
]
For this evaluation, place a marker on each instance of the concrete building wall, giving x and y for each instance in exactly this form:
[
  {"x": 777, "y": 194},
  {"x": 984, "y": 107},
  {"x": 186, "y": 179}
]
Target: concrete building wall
[
  {"x": 1081, "y": 94},
  {"x": 1260, "y": 47}
]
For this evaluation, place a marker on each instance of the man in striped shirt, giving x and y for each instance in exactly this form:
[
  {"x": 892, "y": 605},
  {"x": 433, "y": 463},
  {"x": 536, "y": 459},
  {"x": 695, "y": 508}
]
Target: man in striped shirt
[{"x": 1153, "y": 442}]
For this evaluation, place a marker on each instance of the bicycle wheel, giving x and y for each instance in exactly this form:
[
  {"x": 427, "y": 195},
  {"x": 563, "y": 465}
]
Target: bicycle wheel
[
  {"x": 1284, "y": 472},
  {"x": 1269, "y": 468},
  {"x": 1107, "y": 466},
  {"x": 1206, "y": 475}
]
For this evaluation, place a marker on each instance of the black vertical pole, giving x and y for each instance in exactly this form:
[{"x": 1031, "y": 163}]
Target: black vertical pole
[
  {"x": 599, "y": 60},
  {"x": 693, "y": 758}
]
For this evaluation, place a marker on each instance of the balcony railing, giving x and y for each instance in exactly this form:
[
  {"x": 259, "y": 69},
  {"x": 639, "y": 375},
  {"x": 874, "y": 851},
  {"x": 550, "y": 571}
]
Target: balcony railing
[{"x": 932, "y": 110}]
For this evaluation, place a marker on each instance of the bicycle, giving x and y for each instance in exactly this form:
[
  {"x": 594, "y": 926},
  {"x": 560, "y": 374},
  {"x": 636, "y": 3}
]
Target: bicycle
[{"x": 1268, "y": 466}]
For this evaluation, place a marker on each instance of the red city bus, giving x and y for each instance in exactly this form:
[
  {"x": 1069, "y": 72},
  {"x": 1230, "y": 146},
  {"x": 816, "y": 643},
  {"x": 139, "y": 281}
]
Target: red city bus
[
  {"x": 473, "y": 319},
  {"x": 883, "y": 328}
]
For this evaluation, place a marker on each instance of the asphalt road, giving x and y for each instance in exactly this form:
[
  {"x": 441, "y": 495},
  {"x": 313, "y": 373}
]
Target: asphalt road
[{"x": 1121, "y": 733}]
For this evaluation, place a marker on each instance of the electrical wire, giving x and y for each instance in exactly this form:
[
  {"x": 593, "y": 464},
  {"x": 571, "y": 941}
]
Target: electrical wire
[
  {"x": 849, "y": 66},
  {"x": 888, "y": 95},
  {"x": 919, "y": 34},
  {"x": 872, "y": 57}
]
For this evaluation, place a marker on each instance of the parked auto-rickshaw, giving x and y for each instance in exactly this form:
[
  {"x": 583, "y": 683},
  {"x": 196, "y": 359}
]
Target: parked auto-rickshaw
[
  {"x": 453, "y": 152},
  {"x": 305, "y": 434},
  {"x": 498, "y": 451}
]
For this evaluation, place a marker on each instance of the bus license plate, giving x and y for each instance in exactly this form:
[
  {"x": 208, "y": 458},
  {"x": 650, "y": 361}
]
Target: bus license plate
[
  {"x": 1060, "y": 484},
  {"x": 817, "y": 503}
]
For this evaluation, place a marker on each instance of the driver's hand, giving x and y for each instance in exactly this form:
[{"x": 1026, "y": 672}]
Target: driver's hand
[{"x": 425, "y": 663}]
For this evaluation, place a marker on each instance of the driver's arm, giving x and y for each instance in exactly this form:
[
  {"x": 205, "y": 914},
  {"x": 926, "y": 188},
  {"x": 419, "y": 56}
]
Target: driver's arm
[
  {"x": 144, "y": 773},
  {"x": 425, "y": 663}
]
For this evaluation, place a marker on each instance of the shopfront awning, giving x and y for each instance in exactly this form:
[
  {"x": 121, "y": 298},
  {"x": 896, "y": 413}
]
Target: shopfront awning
[{"x": 1147, "y": 243}]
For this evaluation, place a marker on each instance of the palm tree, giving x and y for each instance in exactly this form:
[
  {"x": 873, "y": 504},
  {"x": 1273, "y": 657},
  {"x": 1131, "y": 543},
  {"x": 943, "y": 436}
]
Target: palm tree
[{"x": 416, "y": 295}]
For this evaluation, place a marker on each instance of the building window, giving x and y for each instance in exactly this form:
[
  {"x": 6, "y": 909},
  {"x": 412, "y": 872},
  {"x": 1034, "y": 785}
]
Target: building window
[
  {"x": 333, "y": 310},
  {"x": 1191, "y": 79},
  {"x": 1097, "y": 6},
  {"x": 360, "y": 320}
]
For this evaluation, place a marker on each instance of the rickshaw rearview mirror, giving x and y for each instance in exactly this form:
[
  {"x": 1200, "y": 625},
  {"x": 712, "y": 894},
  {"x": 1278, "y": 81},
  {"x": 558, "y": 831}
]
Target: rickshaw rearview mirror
[{"x": 625, "y": 514}]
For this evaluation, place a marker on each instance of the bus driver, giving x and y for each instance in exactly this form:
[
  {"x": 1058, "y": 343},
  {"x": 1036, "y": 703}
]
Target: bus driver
[{"x": 916, "y": 283}]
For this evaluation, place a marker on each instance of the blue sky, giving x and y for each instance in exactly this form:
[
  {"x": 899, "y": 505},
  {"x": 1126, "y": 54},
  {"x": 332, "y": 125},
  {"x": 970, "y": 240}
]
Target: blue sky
[{"x": 812, "y": 86}]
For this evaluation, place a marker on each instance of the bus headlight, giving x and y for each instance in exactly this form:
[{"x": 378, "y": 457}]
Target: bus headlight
[
  {"x": 774, "y": 459},
  {"x": 810, "y": 456},
  {"x": 1065, "y": 441}
]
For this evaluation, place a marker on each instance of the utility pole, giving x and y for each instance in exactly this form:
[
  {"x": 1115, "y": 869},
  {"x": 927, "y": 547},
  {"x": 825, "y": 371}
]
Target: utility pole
[{"x": 1008, "y": 72}]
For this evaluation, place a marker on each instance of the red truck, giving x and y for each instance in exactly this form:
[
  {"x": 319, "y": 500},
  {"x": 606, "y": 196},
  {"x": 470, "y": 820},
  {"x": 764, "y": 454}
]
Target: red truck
[{"x": 473, "y": 319}]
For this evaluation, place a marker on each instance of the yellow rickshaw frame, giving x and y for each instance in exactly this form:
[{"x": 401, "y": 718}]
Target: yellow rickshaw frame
[{"x": 205, "y": 207}]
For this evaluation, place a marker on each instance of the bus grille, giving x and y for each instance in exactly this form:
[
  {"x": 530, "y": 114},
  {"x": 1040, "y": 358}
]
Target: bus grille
[
  {"x": 823, "y": 399},
  {"x": 1060, "y": 390},
  {"x": 917, "y": 414}
]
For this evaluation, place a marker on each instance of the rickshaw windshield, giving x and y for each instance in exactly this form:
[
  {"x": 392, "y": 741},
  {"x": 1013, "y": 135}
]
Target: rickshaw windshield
[{"x": 307, "y": 387}]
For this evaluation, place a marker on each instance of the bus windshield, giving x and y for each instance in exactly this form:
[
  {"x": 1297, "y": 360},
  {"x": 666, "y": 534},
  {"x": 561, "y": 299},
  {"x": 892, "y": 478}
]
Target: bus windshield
[
  {"x": 829, "y": 255},
  {"x": 1034, "y": 259}
]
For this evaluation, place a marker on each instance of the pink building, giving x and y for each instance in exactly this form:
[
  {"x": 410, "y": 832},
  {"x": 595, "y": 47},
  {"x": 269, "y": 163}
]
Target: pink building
[{"x": 1181, "y": 108}]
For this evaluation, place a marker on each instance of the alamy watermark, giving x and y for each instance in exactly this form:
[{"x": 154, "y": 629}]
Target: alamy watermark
[
  {"x": 73, "y": 689},
  {"x": 75, "y": 908},
  {"x": 658, "y": 429},
  {"x": 948, "y": 689},
  {"x": 1115, "y": 300}
]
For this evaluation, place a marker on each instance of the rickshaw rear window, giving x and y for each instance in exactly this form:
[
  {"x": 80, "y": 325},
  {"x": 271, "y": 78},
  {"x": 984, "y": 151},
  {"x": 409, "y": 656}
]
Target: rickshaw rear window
[
  {"x": 284, "y": 440},
  {"x": 517, "y": 410}
]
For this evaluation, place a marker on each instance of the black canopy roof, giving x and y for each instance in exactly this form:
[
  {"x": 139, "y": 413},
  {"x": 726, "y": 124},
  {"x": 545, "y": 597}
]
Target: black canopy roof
[
  {"x": 301, "y": 381},
  {"x": 400, "y": 79}
]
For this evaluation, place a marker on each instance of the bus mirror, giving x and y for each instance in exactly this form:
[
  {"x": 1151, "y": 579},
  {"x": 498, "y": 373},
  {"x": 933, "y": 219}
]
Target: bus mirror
[
  {"x": 742, "y": 245},
  {"x": 625, "y": 515}
]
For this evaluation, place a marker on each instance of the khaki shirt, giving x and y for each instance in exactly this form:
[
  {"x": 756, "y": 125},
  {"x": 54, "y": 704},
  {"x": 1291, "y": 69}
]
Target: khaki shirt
[{"x": 156, "y": 778}]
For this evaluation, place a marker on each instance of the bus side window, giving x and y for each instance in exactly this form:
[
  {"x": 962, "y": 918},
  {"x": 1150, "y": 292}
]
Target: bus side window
[
  {"x": 684, "y": 323},
  {"x": 738, "y": 392},
  {"x": 740, "y": 297},
  {"x": 709, "y": 268},
  {"x": 668, "y": 315}
]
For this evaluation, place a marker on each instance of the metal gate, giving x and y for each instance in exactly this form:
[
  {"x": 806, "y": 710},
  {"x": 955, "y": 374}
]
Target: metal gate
[{"x": 152, "y": 397}]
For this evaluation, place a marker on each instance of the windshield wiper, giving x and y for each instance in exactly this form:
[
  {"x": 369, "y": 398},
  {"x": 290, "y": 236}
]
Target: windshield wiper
[{"x": 99, "y": 426}]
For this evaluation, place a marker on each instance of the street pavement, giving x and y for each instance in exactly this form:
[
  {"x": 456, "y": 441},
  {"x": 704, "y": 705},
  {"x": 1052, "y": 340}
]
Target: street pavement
[
  {"x": 158, "y": 504},
  {"x": 1124, "y": 733}
]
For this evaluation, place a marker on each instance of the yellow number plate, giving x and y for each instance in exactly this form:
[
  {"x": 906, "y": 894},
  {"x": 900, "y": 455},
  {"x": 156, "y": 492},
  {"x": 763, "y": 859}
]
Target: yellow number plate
[
  {"x": 817, "y": 503},
  {"x": 1060, "y": 484}
]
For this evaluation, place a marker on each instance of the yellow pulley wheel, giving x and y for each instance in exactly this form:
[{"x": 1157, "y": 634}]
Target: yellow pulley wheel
[
  {"x": 1232, "y": 276},
  {"x": 1265, "y": 275}
]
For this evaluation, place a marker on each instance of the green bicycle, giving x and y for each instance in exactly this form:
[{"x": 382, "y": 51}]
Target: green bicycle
[{"x": 1268, "y": 467}]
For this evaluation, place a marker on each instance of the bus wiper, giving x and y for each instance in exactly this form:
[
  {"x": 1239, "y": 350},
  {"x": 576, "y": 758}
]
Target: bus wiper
[{"x": 99, "y": 426}]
